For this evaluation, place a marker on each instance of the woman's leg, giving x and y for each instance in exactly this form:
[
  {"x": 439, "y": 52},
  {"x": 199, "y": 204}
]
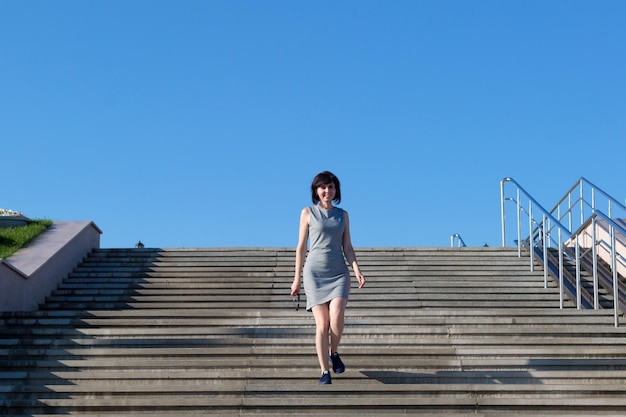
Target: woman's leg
[
  {"x": 336, "y": 311},
  {"x": 322, "y": 326}
]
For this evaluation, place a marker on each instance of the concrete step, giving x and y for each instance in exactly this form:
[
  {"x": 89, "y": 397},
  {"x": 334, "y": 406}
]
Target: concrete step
[
  {"x": 340, "y": 400},
  {"x": 99, "y": 377}
]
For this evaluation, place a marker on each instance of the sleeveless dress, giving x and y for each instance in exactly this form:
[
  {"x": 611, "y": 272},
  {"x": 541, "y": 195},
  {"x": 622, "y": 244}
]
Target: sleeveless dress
[{"x": 325, "y": 273}]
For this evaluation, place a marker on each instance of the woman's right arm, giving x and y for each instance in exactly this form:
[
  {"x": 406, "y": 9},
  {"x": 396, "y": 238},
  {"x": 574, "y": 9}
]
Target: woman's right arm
[{"x": 303, "y": 235}]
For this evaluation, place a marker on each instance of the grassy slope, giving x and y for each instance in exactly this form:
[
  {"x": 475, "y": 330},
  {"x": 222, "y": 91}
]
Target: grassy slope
[{"x": 13, "y": 238}]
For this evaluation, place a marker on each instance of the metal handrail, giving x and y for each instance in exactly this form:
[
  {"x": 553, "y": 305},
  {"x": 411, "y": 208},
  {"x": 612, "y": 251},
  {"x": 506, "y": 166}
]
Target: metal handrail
[
  {"x": 582, "y": 202},
  {"x": 543, "y": 225},
  {"x": 548, "y": 223},
  {"x": 614, "y": 256},
  {"x": 458, "y": 237}
]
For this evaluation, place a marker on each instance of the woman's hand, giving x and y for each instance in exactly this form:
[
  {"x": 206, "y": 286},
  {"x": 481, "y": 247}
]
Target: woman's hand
[
  {"x": 361, "y": 279},
  {"x": 295, "y": 287}
]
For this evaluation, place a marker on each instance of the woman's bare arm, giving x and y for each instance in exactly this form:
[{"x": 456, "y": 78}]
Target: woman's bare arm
[
  {"x": 303, "y": 235},
  {"x": 348, "y": 251}
]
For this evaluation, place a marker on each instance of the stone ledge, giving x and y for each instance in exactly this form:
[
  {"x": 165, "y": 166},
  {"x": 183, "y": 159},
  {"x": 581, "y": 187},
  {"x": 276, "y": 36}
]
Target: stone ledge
[{"x": 33, "y": 272}]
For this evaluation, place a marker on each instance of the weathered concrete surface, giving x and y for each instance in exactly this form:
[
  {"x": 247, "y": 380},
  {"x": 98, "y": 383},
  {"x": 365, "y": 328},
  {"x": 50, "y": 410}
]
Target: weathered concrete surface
[
  {"x": 33, "y": 272},
  {"x": 437, "y": 332}
]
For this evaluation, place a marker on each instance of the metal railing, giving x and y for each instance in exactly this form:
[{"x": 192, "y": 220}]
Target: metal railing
[
  {"x": 457, "y": 238},
  {"x": 586, "y": 198},
  {"x": 578, "y": 229}
]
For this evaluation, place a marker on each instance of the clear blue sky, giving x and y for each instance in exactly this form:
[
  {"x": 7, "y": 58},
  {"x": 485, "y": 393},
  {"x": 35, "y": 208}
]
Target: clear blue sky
[{"x": 201, "y": 123}]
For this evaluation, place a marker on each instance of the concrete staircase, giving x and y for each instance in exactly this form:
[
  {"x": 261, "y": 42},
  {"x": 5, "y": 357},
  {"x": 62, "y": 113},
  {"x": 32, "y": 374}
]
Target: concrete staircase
[{"x": 436, "y": 331}]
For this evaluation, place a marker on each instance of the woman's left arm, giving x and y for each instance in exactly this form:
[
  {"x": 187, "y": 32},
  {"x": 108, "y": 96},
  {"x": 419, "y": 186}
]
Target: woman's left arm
[{"x": 348, "y": 251}]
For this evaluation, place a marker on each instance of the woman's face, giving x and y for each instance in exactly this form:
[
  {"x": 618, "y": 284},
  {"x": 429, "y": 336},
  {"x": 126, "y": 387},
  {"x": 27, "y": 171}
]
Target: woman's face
[{"x": 326, "y": 193}]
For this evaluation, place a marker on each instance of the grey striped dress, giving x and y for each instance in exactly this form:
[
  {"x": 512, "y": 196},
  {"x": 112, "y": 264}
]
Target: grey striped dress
[{"x": 325, "y": 273}]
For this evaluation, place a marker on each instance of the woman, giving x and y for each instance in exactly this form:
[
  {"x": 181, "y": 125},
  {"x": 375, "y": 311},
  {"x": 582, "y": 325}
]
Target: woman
[{"x": 325, "y": 274}]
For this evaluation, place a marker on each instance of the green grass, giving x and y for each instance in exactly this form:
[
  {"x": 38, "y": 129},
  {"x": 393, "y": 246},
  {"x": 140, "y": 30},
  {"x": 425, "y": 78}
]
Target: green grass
[{"x": 13, "y": 238}]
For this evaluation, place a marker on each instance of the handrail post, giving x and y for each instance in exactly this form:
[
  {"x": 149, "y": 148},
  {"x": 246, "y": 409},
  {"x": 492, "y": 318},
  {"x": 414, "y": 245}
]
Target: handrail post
[
  {"x": 593, "y": 200},
  {"x": 569, "y": 212},
  {"x": 502, "y": 212},
  {"x": 560, "y": 270},
  {"x": 578, "y": 289},
  {"x": 615, "y": 282},
  {"x": 594, "y": 254},
  {"x": 545, "y": 253},
  {"x": 519, "y": 225},
  {"x": 582, "y": 202},
  {"x": 531, "y": 243}
]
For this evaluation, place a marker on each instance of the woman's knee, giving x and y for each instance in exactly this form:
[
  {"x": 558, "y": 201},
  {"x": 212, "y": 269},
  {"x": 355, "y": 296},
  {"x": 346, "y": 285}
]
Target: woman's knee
[
  {"x": 322, "y": 317},
  {"x": 322, "y": 323}
]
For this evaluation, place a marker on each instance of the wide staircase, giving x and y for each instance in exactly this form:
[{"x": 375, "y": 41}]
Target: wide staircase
[{"x": 436, "y": 331}]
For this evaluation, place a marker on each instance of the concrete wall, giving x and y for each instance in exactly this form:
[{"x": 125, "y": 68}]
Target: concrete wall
[{"x": 33, "y": 272}]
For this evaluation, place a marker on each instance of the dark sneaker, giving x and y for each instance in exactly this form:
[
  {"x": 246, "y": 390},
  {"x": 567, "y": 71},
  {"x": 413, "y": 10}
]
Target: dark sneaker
[
  {"x": 338, "y": 366},
  {"x": 325, "y": 379}
]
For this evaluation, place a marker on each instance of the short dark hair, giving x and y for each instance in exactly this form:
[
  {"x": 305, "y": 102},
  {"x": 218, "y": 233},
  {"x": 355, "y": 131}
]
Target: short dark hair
[{"x": 324, "y": 178}]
